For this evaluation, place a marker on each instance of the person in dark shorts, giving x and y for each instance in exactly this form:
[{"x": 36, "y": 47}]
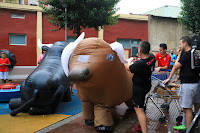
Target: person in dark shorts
[
  {"x": 189, "y": 79},
  {"x": 142, "y": 70}
]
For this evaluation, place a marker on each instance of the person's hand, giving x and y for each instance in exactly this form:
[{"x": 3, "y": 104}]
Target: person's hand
[
  {"x": 166, "y": 81},
  {"x": 4, "y": 63},
  {"x": 126, "y": 61},
  {"x": 157, "y": 69},
  {"x": 179, "y": 51},
  {"x": 175, "y": 80}
]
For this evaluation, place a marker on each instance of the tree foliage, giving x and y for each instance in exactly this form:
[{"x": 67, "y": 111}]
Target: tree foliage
[
  {"x": 81, "y": 13},
  {"x": 190, "y": 15}
]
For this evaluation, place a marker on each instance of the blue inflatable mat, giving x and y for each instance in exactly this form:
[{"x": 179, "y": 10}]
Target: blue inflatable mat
[{"x": 68, "y": 108}]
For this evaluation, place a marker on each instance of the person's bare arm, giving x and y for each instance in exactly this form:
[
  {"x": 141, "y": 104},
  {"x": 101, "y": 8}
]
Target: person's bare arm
[
  {"x": 6, "y": 64},
  {"x": 158, "y": 68},
  {"x": 127, "y": 65}
]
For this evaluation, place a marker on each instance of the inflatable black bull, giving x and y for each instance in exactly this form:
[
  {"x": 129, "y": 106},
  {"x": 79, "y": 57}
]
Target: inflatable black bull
[{"x": 46, "y": 86}]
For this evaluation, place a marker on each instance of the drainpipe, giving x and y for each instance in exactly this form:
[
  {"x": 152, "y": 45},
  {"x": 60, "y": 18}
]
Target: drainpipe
[{"x": 166, "y": 11}]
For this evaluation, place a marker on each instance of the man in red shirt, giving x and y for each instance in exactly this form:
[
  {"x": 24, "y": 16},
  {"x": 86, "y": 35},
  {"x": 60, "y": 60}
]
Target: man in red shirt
[
  {"x": 4, "y": 62},
  {"x": 163, "y": 58}
]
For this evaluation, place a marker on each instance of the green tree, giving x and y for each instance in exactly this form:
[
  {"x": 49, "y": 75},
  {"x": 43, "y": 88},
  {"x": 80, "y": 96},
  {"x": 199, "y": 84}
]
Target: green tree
[
  {"x": 190, "y": 15},
  {"x": 81, "y": 14}
]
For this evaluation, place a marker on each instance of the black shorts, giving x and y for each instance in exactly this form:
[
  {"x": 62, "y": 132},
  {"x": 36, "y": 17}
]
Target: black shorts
[{"x": 139, "y": 94}]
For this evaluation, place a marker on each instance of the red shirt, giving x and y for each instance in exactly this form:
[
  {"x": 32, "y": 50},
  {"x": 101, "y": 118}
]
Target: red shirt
[
  {"x": 4, "y": 68},
  {"x": 163, "y": 61}
]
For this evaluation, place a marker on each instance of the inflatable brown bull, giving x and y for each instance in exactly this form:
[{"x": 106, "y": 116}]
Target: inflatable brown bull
[{"x": 101, "y": 80}]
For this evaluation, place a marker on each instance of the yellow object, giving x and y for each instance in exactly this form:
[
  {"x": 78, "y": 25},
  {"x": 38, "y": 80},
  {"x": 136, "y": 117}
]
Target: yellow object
[{"x": 25, "y": 123}]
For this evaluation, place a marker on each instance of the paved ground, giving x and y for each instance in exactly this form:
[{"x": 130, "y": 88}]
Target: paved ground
[{"x": 125, "y": 121}]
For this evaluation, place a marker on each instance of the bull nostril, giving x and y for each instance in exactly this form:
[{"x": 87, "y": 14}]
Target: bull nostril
[{"x": 87, "y": 71}]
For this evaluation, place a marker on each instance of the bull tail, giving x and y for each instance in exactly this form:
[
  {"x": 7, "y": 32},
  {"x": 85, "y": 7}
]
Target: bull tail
[{"x": 25, "y": 105}]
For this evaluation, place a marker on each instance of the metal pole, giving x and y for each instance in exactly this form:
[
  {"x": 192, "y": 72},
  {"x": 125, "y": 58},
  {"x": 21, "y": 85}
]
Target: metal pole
[
  {"x": 65, "y": 23},
  {"x": 64, "y": 5}
]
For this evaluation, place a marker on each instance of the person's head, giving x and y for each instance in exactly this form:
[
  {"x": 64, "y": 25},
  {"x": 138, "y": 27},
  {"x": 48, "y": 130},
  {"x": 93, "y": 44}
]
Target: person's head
[
  {"x": 3, "y": 54},
  {"x": 135, "y": 58},
  {"x": 171, "y": 52},
  {"x": 144, "y": 48},
  {"x": 44, "y": 49},
  {"x": 163, "y": 48},
  {"x": 184, "y": 43}
]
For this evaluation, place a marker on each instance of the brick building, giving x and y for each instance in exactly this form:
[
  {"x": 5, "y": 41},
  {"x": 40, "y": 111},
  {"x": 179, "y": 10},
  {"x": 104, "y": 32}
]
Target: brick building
[{"x": 23, "y": 23}]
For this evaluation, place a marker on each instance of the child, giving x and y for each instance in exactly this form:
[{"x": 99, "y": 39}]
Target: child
[
  {"x": 4, "y": 62},
  {"x": 44, "y": 49},
  {"x": 142, "y": 70}
]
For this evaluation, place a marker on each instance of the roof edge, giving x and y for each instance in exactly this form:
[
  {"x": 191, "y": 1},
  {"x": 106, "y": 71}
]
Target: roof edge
[
  {"x": 133, "y": 17},
  {"x": 20, "y": 7}
]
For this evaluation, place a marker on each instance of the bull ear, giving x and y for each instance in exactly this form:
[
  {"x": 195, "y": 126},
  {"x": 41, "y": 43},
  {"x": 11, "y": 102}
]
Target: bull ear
[
  {"x": 68, "y": 51},
  {"x": 40, "y": 44},
  {"x": 117, "y": 47}
]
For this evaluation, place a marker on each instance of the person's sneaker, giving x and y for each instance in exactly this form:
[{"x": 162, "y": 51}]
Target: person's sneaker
[
  {"x": 138, "y": 128},
  {"x": 180, "y": 127}
]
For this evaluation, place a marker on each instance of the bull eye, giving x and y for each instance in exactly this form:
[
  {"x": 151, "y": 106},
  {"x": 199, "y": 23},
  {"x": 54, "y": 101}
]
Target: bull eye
[
  {"x": 83, "y": 58},
  {"x": 110, "y": 57}
]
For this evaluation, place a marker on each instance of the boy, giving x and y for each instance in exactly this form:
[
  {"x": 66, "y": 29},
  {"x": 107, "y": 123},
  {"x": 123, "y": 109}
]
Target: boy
[
  {"x": 4, "y": 62},
  {"x": 142, "y": 70}
]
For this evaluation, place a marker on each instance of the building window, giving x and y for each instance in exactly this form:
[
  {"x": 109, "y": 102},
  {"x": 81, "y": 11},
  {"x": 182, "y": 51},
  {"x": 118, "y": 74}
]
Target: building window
[
  {"x": 14, "y": 1},
  {"x": 18, "y": 39},
  {"x": 130, "y": 44},
  {"x": 17, "y": 15},
  {"x": 33, "y": 2}
]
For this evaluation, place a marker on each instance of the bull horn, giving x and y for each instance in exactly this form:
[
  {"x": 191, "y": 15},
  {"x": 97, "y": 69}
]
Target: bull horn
[
  {"x": 118, "y": 47},
  {"x": 68, "y": 51},
  {"x": 40, "y": 44}
]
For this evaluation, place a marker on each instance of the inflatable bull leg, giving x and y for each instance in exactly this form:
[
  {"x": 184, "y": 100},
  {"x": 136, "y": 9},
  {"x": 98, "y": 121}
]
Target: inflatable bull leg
[
  {"x": 59, "y": 96},
  {"x": 40, "y": 110},
  {"x": 15, "y": 103},
  {"x": 56, "y": 99},
  {"x": 103, "y": 118},
  {"x": 24, "y": 106},
  {"x": 88, "y": 113},
  {"x": 67, "y": 96}
]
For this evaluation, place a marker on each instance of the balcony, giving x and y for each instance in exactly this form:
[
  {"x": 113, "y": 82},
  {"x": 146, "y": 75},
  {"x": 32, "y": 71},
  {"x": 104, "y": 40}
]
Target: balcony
[
  {"x": 23, "y": 2},
  {"x": 14, "y": 1}
]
